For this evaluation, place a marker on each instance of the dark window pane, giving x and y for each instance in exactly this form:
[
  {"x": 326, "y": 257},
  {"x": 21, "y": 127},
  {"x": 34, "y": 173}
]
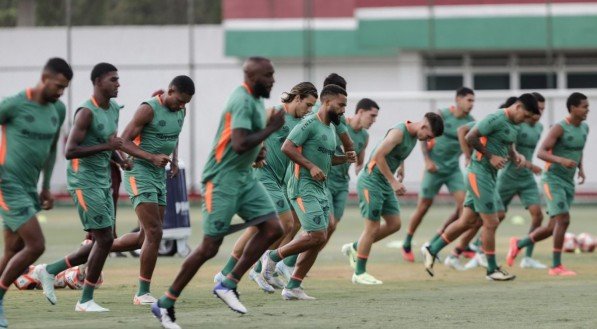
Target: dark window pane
[
  {"x": 490, "y": 60},
  {"x": 492, "y": 81},
  {"x": 582, "y": 80},
  {"x": 581, "y": 59},
  {"x": 443, "y": 61},
  {"x": 538, "y": 81},
  {"x": 444, "y": 82}
]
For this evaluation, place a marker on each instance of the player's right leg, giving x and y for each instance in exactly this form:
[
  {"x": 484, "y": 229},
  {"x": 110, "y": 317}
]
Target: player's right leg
[
  {"x": 33, "y": 240},
  {"x": 150, "y": 216},
  {"x": 102, "y": 241},
  {"x": 423, "y": 206},
  {"x": 12, "y": 245},
  {"x": 467, "y": 220}
]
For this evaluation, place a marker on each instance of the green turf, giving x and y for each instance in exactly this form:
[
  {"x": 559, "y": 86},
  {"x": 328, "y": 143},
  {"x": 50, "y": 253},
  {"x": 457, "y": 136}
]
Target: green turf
[{"x": 407, "y": 299}]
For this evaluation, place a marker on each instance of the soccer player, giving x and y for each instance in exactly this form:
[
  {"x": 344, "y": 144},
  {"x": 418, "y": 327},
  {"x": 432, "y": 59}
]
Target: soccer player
[
  {"x": 365, "y": 115},
  {"x": 311, "y": 146},
  {"x": 377, "y": 187},
  {"x": 493, "y": 140},
  {"x": 151, "y": 137},
  {"x": 31, "y": 122},
  {"x": 91, "y": 142},
  {"x": 441, "y": 165},
  {"x": 230, "y": 187},
  {"x": 295, "y": 104},
  {"x": 286, "y": 266},
  {"x": 562, "y": 150}
]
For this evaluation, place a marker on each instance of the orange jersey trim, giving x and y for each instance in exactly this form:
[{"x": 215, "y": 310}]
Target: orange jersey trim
[
  {"x": 472, "y": 178},
  {"x": 209, "y": 189},
  {"x": 3, "y": 146},
  {"x": 81, "y": 199},
  {"x": 299, "y": 200},
  {"x": 225, "y": 138},
  {"x": 133, "y": 183}
]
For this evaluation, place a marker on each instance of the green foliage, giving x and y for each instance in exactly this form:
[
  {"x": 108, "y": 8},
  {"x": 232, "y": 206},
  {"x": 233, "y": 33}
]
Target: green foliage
[{"x": 115, "y": 12}]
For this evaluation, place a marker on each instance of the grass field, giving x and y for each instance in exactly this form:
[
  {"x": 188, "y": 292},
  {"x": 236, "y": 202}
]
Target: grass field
[{"x": 407, "y": 299}]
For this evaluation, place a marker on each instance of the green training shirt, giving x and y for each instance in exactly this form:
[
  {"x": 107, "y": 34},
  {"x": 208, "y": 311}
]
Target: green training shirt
[{"x": 94, "y": 171}]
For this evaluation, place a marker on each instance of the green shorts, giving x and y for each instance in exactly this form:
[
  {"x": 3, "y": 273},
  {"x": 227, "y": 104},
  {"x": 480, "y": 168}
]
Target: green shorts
[
  {"x": 95, "y": 206},
  {"x": 558, "y": 196},
  {"x": 17, "y": 205},
  {"x": 432, "y": 183},
  {"x": 144, "y": 189},
  {"x": 525, "y": 188},
  {"x": 481, "y": 193},
  {"x": 376, "y": 200},
  {"x": 313, "y": 212},
  {"x": 338, "y": 199},
  {"x": 233, "y": 194},
  {"x": 277, "y": 193}
]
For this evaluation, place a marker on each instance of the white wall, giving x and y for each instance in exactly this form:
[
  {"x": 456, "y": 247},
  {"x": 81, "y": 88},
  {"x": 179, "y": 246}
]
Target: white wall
[{"x": 148, "y": 57}]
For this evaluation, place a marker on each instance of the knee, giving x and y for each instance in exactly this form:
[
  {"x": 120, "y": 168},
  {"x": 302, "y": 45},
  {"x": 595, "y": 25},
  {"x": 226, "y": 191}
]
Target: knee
[
  {"x": 564, "y": 220},
  {"x": 318, "y": 239},
  {"x": 154, "y": 234},
  {"x": 274, "y": 231},
  {"x": 210, "y": 250},
  {"x": 501, "y": 216},
  {"x": 491, "y": 225},
  {"x": 287, "y": 227},
  {"x": 395, "y": 226},
  {"x": 37, "y": 248},
  {"x": 105, "y": 240},
  {"x": 473, "y": 222}
]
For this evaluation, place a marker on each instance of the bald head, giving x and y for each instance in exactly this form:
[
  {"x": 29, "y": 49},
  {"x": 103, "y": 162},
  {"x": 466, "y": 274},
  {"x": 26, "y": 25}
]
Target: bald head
[{"x": 259, "y": 76}]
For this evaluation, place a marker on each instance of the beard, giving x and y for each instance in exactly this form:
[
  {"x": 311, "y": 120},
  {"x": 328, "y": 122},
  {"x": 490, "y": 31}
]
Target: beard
[
  {"x": 334, "y": 117},
  {"x": 261, "y": 90}
]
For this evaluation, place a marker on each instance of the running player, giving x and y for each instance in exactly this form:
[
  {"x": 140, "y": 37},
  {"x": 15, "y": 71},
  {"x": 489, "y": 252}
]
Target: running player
[
  {"x": 286, "y": 266},
  {"x": 296, "y": 104},
  {"x": 31, "y": 122},
  {"x": 377, "y": 188},
  {"x": 562, "y": 150},
  {"x": 89, "y": 147},
  {"x": 230, "y": 187},
  {"x": 151, "y": 137},
  {"x": 493, "y": 139},
  {"x": 311, "y": 146},
  {"x": 442, "y": 167},
  {"x": 365, "y": 115}
]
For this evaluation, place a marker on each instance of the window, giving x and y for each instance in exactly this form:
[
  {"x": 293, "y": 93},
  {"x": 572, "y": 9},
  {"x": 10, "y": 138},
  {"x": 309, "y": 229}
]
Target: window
[
  {"x": 444, "y": 82},
  {"x": 490, "y": 60},
  {"x": 538, "y": 81},
  {"x": 491, "y": 81},
  {"x": 582, "y": 80},
  {"x": 443, "y": 61}
]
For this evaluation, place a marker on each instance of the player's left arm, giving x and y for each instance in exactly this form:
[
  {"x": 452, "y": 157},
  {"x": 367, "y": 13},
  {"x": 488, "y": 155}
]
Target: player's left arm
[
  {"x": 361, "y": 158},
  {"x": 518, "y": 158},
  {"x": 174, "y": 162},
  {"x": 581, "y": 171},
  {"x": 45, "y": 197}
]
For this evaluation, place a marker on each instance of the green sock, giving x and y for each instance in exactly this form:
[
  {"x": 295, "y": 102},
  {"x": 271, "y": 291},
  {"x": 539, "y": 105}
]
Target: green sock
[
  {"x": 491, "y": 263},
  {"x": 524, "y": 242},
  {"x": 2, "y": 292},
  {"x": 258, "y": 266},
  {"x": 437, "y": 245},
  {"x": 229, "y": 265},
  {"x": 168, "y": 299},
  {"x": 290, "y": 261},
  {"x": 144, "y": 286},
  {"x": 354, "y": 245},
  {"x": 407, "y": 242},
  {"x": 435, "y": 238},
  {"x": 57, "y": 267},
  {"x": 361, "y": 266},
  {"x": 275, "y": 256},
  {"x": 557, "y": 258},
  {"x": 231, "y": 281},
  {"x": 477, "y": 242},
  {"x": 529, "y": 251},
  {"x": 87, "y": 293},
  {"x": 293, "y": 283}
]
